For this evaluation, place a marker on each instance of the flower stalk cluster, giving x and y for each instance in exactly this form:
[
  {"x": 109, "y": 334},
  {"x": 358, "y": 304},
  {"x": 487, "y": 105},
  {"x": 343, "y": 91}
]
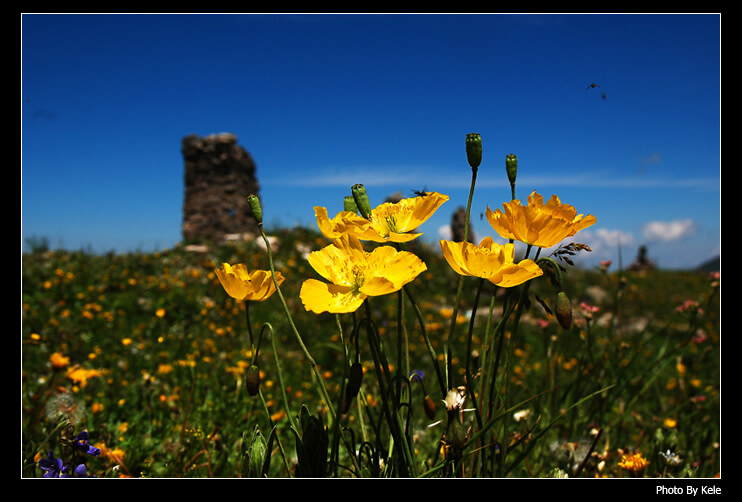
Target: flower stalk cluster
[{"x": 366, "y": 257}]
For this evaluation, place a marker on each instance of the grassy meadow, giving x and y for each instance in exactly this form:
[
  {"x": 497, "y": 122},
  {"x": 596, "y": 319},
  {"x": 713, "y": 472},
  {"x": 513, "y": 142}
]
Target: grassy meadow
[{"x": 147, "y": 353}]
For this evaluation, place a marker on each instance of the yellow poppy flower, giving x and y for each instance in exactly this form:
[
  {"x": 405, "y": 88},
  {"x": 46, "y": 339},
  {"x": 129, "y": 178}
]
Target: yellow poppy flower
[
  {"x": 345, "y": 222},
  {"x": 241, "y": 285},
  {"x": 538, "y": 224},
  {"x": 388, "y": 222},
  {"x": 490, "y": 261},
  {"x": 355, "y": 274}
]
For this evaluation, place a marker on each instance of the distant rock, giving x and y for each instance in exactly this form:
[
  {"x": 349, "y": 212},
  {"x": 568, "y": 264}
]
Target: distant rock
[
  {"x": 458, "y": 224},
  {"x": 219, "y": 175},
  {"x": 642, "y": 263}
]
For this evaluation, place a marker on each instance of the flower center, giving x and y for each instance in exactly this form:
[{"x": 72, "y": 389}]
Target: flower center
[
  {"x": 386, "y": 217},
  {"x": 358, "y": 277}
]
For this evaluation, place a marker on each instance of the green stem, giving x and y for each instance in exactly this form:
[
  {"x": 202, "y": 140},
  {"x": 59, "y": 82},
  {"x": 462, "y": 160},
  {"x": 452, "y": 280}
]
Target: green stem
[
  {"x": 431, "y": 350},
  {"x": 385, "y": 388},
  {"x": 460, "y": 288}
]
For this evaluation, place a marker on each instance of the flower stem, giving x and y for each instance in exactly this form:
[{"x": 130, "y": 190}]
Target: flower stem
[
  {"x": 313, "y": 364},
  {"x": 460, "y": 288},
  {"x": 431, "y": 350}
]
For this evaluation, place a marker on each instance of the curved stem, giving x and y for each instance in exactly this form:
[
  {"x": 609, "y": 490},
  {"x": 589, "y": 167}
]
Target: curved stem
[
  {"x": 313, "y": 364},
  {"x": 431, "y": 350}
]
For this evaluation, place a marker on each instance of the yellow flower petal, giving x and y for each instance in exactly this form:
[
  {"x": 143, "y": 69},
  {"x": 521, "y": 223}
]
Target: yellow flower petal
[
  {"x": 387, "y": 270},
  {"x": 389, "y": 222},
  {"x": 241, "y": 285},
  {"x": 354, "y": 274},
  {"x": 321, "y": 297},
  {"x": 490, "y": 261},
  {"x": 538, "y": 224},
  {"x": 395, "y": 221},
  {"x": 344, "y": 222}
]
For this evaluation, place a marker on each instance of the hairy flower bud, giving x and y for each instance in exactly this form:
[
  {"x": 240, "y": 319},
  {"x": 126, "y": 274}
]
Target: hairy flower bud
[
  {"x": 359, "y": 195},
  {"x": 257, "y": 211},
  {"x": 253, "y": 380},
  {"x": 474, "y": 149},
  {"x": 511, "y": 166},
  {"x": 563, "y": 310},
  {"x": 349, "y": 204},
  {"x": 255, "y": 455}
]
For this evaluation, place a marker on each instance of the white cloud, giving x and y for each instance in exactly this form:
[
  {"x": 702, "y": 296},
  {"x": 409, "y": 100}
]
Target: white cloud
[
  {"x": 605, "y": 243},
  {"x": 444, "y": 232},
  {"x": 668, "y": 231},
  {"x": 443, "y": 178},
  {"x": 604, "y": 238}
]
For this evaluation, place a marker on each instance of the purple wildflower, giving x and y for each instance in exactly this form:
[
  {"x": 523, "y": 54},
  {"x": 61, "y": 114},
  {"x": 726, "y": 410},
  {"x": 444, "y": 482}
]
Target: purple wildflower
[
  {"x": 81, "y": 443},
  {"x": 80, "y": 472},
  {"x": 51, "y": 465}
]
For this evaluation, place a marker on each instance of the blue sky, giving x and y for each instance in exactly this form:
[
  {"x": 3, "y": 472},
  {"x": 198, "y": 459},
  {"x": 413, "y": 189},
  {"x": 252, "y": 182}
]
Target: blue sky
[{"x": 322, "y": 102}]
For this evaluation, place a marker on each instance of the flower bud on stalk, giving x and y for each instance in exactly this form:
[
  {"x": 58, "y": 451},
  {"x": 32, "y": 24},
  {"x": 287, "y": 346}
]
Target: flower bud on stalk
[
  {"x": 349, "y": 204},
  {"x": 354, "y": 379},
  {"x": 359, "y": 195},
  {"x": 429, "y": 406},
  {"x": 563, "y": 310},
  {"x": 253, "y": 380},
  {"x": 474, "y": 149},
  {"x": 353, "y": 385},
  {"x": 511, "y": 166},
  {"x": 257, "y": 211}
]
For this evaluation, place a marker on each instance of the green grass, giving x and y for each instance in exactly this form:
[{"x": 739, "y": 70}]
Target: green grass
[{"x": 167, "y": 349}]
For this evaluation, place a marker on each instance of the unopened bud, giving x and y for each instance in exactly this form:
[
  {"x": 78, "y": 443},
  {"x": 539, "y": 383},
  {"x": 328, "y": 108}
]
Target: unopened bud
[
  {"x": 349, "y": 204},
  {"x": 474, "y": 149},
  {"x": 511, "y": 166},
  {"x": 361, "y": 199},
  {"x": 563, "y": 310},
  {"x": 429, "y": 406},
  {"x": 352, "y": 386},
  {"x": 252, "y": 380},
  {"x": 455, "y": 435},
  {"x": 257, "y": 211},
  {"x": 354, "y": 379}
]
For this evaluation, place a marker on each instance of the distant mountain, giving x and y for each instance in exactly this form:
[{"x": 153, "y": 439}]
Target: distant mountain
[{"x": 713, "y": 265}]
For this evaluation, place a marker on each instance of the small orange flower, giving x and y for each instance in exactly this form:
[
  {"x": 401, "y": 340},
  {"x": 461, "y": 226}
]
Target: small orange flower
[
  {"x": 633, "y": 462},
  {"x": 58, "y": 360}
]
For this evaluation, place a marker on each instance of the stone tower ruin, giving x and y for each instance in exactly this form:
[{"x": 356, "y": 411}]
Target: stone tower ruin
[{"x": 219, "y": 175}]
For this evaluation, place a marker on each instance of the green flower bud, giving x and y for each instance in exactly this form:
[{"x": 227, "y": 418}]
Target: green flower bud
[
  {"x": 511, "y": 166},
  {"x": 349, "y": 204},
  {"x": 563, "y": 310},
  {"x": 255, "y": 456},
  {"x": 257, "y": 211},
  {"x": 361, "y": 199},
  {"x": 253, "y": 380},
  {"x": 474, "y": 149},
  {"x": 455, "y": 435}
]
